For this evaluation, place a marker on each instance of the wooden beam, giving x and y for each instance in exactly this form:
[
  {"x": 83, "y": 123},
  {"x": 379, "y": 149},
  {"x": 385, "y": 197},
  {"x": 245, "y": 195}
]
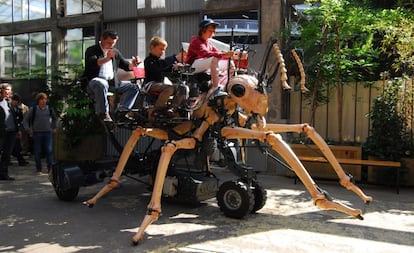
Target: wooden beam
[
  {"x": 293, "y": 2},
  {"x": 47, "y": 24},
  {"x": 223, "y": 6}
]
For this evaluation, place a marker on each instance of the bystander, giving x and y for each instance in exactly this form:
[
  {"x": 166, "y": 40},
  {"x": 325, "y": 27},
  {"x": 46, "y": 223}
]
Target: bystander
[
  {"x": 41, "y": 123},
  {"x": 9, "y": 130}
]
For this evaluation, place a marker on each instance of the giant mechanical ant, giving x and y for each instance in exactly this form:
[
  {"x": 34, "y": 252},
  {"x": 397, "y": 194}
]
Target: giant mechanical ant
[{"x": 229, "y": 116}]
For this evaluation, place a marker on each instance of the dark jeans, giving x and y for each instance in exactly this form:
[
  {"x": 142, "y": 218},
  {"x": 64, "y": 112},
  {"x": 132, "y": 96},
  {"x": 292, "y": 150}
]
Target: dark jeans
[
  {"x": 42, "y": 144},
  {"x": 17, "y": 151},
  {"x": 7, "y": 145}
]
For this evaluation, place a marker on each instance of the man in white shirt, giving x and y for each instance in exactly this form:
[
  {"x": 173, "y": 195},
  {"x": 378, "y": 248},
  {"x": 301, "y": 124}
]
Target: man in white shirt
[{"x": 101, "y": 64}]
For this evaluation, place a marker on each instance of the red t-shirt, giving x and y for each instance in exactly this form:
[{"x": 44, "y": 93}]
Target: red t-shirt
[{"x": 200, "y": 48}]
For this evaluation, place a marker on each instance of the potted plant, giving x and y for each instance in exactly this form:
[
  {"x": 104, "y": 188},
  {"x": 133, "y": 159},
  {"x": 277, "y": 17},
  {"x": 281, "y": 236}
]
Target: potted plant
[{"x": 80, "y": 135}]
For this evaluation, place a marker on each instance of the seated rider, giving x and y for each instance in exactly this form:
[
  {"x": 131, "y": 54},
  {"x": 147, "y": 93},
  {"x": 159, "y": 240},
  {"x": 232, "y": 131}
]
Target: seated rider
[
  {"x": 155, "y": 70},
  {"x": 202, "y": 55},
  {"x": 101, "y": 64}
]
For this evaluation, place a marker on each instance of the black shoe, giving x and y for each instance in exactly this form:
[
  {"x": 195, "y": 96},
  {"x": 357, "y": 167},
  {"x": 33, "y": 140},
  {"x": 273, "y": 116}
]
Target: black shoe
[
  {"x": 6, "y": 178},
  {"x": 164, "y": 113},
  {"x": 130, "y": 116},
  {"x": 125, "y": 116}
]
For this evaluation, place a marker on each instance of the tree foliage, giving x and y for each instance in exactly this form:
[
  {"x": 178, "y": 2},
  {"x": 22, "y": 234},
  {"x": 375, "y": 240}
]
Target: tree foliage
[
  {"x": 390, "y": 137},
  {"x": 345, "y": 41}
]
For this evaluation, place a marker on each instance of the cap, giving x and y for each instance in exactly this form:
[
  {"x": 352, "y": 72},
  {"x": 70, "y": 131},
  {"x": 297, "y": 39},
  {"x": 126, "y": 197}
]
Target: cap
[{"x": 207, "y": 22}]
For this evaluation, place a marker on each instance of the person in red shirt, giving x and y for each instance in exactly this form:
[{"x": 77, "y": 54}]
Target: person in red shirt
[{"x": 202, "y": 55}]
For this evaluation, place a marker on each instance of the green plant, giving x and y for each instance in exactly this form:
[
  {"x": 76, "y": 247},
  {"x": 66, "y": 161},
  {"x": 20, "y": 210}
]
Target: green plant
[
  {"x": 77, "y": 115},
  {"x": 72, "y": 105},
  {"x": 337, "y": 40},
  {"x": 388, "y": 136},
  {"x": 345, "y": 41}
]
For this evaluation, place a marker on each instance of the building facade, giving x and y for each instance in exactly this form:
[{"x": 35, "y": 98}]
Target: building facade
[{"x": 37, "y": 34}]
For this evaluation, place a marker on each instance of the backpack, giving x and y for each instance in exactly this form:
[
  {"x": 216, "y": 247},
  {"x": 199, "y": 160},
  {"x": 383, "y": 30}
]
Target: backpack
[{"x": 34, "y": 109}]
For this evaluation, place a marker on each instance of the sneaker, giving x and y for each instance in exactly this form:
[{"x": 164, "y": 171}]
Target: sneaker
[
  {"x": 107, "y": 117},
  {"x": 130, "y": 116}
]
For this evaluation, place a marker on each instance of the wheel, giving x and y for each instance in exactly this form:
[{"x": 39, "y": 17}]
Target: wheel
[
  {"x": 67, "y": 195},
  {"x": 235, "y": 199},
  {"x": 260, "y": 196},
  {"x": 64, "y": 183}
]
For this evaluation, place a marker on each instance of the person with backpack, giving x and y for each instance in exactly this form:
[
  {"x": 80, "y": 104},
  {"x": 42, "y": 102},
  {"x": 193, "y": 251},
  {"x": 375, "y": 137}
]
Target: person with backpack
[{"x": 41, "y": 123}]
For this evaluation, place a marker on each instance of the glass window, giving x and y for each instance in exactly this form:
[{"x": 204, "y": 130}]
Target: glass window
[
  {"x": 6, "y": 55},
  {"x": 37, "y": 9},
  {"x": 38, "y": 56},
  {"x": 37, "y": 50},
  {"x": 19, "y": 13},
  {"x": 21, "y": 39},
  {"x": 140, "y": 4},
  {"x": 77, "y": 40},
  {"x": 74, "y": 46},
  {"x": 142, "y": 41},
  {"x": 47, "y": 8},
  {"x": 155, "y": 4},
  {"x": 37, "y": 38},
  {"x": 7, "y": 64},
  {"x": 6, "y": 41},
  {"x": 21, "y": 55},
  {"x": 74, "y": 34},
  {"x": 5, "y": 11},
  {"x": 74, "y": 7},
  {"x": 21, "y": 10},
  {"x": 92, "y": 6}
]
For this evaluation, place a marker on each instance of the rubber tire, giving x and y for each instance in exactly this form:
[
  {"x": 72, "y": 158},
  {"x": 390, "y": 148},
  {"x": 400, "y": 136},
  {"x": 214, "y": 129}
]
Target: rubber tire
[
  {"x": 260, "y": 196},
  {"x": 235, "y": 199},
  {"x": 66, "y": 195}
]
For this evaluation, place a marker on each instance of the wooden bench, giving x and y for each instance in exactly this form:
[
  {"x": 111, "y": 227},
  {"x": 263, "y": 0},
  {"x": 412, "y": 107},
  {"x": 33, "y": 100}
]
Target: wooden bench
[{"x": 374, "y": 163}]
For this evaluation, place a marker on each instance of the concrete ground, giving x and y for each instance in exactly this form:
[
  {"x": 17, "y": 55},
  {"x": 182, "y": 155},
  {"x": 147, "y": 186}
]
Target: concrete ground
[{"x": 32, "y": 219}]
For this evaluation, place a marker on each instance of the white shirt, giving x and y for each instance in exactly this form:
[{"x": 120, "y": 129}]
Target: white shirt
[
  {"x": 106, "y": 71},
  {"x": 9, "y": 120}
]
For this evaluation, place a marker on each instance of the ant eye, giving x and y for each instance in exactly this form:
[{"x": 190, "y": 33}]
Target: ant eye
[{"x": 238, "y": 90}]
